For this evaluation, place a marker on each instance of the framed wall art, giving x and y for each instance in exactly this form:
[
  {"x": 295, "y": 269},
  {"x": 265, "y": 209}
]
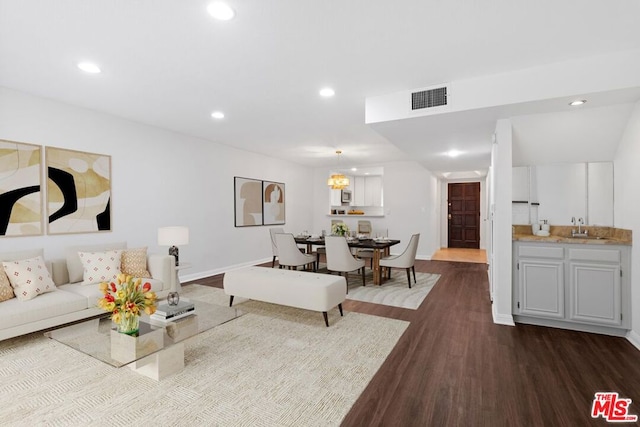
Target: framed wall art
[
  {"x": 21, "y": 208},
  {"x": 272, "y": 202},
  {"x": 248, "y": 201},
  {"x": 78, "y": 191}
]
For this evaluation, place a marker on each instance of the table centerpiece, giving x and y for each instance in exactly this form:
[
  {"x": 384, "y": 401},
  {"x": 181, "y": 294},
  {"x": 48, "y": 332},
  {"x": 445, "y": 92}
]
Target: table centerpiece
[
  {"x": 126, "y": 301},
  {"x": 340, "y": 229}
]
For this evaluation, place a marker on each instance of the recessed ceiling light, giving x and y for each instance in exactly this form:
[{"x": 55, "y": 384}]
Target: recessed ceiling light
[
  {"x": 89, "y": 67},
  {"x": 217, "y": 115},
  {"x": 577, "y": 102},
  {"x": 453, "y": 153},
  {"x": 221, "y": 11},
  {"x": 354, "y": 169},
  {"x": 327, "y": 92}
]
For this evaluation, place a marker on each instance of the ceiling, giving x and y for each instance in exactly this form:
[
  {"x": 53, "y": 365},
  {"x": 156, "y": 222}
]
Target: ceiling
[{"x": 169, "y": 64}]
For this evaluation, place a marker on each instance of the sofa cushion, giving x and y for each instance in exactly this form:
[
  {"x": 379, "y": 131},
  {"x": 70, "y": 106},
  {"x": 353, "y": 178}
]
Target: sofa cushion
[
  {"x": 134, "y": 262},
  {"x": 56, "y": 303},
  {"x": 29, "y": 277},
  {"x": 91, "y": 293},
  {"x": 6, "y": 291},
  {"x": 74, "y": 265},
  {"x": 100, "y": 266}
]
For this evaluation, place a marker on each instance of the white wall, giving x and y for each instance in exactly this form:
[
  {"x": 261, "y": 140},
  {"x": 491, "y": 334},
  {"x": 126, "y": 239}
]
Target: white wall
[
  {"x": 159, "y": 178},
  {"x": 627, "y": 206},
  {"x": 501, "y": 164},
  {"x": 411, "y": 205}
]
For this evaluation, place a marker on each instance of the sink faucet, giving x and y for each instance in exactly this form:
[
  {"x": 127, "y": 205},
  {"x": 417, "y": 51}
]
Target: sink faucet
[{"x": 579, "y": 223}]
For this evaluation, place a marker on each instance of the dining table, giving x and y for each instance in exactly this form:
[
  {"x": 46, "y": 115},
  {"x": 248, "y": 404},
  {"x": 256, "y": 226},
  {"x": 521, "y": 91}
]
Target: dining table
[{"x": 380, "y": 249}]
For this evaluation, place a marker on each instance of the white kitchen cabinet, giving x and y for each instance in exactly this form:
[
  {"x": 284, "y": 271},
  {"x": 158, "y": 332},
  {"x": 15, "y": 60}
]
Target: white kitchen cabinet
[
  {"x": 541, "y": 288},
  {"x": 367, "y": 191},
  {"x": 358, "y": 191},
  {"x": 595, "y": 286},
  {"x": 574, "y": 286},
  {"x": 336, "y": 197},
  {"x": 373, "y": 191}
]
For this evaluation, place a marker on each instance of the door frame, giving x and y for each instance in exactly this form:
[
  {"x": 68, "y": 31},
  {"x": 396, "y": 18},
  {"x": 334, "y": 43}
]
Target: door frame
[{"x": 444, "y": 211}]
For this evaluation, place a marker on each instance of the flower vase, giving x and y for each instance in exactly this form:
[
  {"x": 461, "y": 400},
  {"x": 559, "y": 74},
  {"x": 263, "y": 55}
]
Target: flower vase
[{"x": 129, "y": 325}]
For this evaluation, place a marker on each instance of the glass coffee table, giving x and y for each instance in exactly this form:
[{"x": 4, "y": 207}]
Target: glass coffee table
[{"x": 157, "y": 351}]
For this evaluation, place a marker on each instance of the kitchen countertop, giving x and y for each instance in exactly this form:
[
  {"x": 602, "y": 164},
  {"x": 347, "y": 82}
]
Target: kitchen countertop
[{"x": 562, "y": 234}]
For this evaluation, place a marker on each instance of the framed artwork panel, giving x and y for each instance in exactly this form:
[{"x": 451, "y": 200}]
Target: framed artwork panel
[
  {"x": 21, "y": 207},
  {"x": 78, "y": 191},
  {"x": 247, "y": 201},
  {"x": 273, "y": 198}
]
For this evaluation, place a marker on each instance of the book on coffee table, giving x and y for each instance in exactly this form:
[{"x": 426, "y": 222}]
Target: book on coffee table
[
  {"x": 161, "y": 319},
  {"x": 165, "y": 312}
]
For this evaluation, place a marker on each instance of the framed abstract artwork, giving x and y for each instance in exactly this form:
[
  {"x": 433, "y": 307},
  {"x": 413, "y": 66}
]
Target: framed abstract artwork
[
  {"x": 248, "y": 201},
  {"x": 20, "y": 189},
  {"x": 78, "y": 191},
  {"x": 272, "y": 202}
]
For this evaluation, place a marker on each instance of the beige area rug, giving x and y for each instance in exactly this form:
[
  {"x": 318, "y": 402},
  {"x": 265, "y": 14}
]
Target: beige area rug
[
  {"x": 395, "y": 291},
  {"x": 274, "y": 366}
]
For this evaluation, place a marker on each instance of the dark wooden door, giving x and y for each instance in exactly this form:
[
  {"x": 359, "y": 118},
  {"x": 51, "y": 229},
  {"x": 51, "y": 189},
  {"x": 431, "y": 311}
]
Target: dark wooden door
[{"x": 464, "y": 215}]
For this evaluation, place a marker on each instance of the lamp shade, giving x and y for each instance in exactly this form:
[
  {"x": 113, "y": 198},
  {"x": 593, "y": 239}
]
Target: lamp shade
[{"x": 173, "y": 236}]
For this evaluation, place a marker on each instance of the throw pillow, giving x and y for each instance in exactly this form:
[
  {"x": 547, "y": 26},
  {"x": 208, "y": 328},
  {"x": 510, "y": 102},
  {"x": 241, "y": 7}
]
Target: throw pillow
[
  {"x": 100, "y": 266},
  {"x": 134, "y": 262},
  {"x": 6, "y": 291},
  {"x": 29, "y": 277},
  {"x": 74, "y": 265}
]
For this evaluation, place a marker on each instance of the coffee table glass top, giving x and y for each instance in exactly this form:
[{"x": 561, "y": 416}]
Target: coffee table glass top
[{"x": 99, "y": 339}]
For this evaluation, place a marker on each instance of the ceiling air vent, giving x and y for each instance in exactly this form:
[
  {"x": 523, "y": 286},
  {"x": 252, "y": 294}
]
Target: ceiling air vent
[{"x": 429, "y": 98}]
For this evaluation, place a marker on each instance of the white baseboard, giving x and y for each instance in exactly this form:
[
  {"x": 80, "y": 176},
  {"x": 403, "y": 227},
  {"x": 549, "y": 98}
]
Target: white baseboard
[
  {"x": 423, "y": 257},
  {"x": 209, "y": 273},
  {"x": 634, "y": 339},
  {"x": 502, "y": 319}
]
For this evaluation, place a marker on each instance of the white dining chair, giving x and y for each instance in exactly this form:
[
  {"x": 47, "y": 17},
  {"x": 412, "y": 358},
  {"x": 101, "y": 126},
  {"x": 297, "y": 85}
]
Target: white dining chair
[
  {"x": 274, "y": 247},
  {"x": 405, "y": 260},
  {"x": 364, "y": 229},
  {"x": 289, "y": 254},
  {"x": 340, "y": 259}
]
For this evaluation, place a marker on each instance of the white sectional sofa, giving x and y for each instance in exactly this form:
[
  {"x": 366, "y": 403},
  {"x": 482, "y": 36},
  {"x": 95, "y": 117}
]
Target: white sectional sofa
[{"x": 71, "y": 300}]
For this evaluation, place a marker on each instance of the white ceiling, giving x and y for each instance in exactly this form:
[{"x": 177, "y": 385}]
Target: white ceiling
[{"x": 167, "y": 63}]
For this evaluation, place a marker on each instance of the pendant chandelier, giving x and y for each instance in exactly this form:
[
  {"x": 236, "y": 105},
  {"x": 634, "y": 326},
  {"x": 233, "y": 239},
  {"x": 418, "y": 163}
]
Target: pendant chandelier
[{"x": 338, "y": 181}]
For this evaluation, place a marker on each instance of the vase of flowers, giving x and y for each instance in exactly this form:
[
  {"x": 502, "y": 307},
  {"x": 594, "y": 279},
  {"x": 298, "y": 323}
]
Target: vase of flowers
[
  {"x": 127, "y": 300},
  {"x": 340, "y": 229}
]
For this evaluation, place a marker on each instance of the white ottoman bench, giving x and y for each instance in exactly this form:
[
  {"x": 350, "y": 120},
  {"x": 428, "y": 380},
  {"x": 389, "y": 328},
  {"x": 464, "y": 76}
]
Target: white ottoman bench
[{"x": 300, "y": 289}]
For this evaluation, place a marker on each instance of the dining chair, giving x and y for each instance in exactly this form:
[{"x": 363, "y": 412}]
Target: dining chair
[
  {"x": 289, "y": 254},
  {"x": 405, "y": 260},
  {"x": 340, "y": 259},
  {"x": 274, "y": 247},
  {"x": 364, "y": 228}
]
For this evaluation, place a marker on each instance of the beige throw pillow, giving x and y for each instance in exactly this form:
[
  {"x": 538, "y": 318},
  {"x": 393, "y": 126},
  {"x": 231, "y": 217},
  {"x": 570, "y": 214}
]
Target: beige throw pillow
[
  {"x": 100, "y": 266},
  {"x": 6, "y": 291},
  {"x": 29, "y": 278},
  {"x": 134, "y": 262}
]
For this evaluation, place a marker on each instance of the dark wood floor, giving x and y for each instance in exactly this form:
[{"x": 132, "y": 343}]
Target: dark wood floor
[{"x": 454, "y": 367}]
